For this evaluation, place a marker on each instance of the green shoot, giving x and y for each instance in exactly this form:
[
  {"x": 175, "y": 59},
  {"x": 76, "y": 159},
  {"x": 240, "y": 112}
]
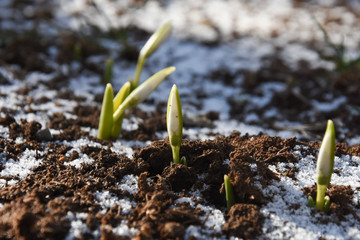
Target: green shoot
[
  {"x": 106, "y": 120},
  {"x": 311, "y": 202},
  {"x": 150, "y": 46},
  {"x": 142, "y": 92},
  {"x": 108, "y": 70},
  {"x": 229, "y": 193},
  {"x": 325, "y": 164},
  {"x": 183, "y": 160},
  {"x": 174, "y": 123},
  {"x": 119, "y": 98},
  {"x": 327, "y": 205}
]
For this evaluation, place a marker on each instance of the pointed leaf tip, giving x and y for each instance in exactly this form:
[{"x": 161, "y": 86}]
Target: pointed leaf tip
[{"x": 106, "y": 119}]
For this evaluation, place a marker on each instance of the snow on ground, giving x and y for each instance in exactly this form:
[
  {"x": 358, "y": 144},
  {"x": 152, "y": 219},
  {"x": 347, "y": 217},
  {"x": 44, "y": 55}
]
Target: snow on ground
[
  {"x": 298, "y": 223},
  {"x": 262, "y": 29}
]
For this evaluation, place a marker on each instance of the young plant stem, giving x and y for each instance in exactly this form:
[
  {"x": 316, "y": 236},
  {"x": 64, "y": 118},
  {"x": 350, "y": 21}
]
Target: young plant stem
[
  {"x": 174, "y": 123},
  {"x": 320, "y": 196},
  {"x": 119, "y": 98},
  {"x": 325, "y": 164},
  {"x": 176, "y": 154},
  {"x": 139, "y": 66},
  {"x": 106, "y": 119},
  {"x": 156, "y": 39},
  {"x": 229, "y": 193}
]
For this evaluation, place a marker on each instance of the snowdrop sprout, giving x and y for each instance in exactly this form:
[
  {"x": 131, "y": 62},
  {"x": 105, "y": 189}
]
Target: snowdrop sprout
[
  {"x": 229, "y": 192},
  {"x": 150, "y": 46},
  {"x": 106, "y": 120},
  {"x": 119, "y": 98},
  {"x": 142, "y": 92},
  {"x": 174, "y": 123},
  {"x": 325, "y": 164}
]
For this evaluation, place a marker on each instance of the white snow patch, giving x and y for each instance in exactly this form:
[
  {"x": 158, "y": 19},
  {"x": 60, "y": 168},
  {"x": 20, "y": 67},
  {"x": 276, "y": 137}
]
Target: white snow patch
[
  {"x": 84, "y": 159},
  {"x": 21, "y": 168},
  {"x": 124, "y": 230},
  {"x": 129, "y": 183},
  {"x": 107, "y": 200},
  {"x": 283, "y": 222}
]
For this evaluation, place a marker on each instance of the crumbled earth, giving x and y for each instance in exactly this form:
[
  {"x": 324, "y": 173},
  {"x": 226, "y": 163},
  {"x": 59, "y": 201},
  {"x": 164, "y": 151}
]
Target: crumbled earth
[{"x": 38, "y": 204}]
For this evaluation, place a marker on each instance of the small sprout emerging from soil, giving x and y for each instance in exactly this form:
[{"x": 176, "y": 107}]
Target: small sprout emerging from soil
[
  {"x": 119, "y": 98},
  {"x": 229, "y": 193},
  {"x": 106, "y": 120},
  {"x": 183, "y": 160},
  {"x": 325, "y": 164},
  {"x": 108, "y": 70},
  {"x": 311, "y": 202},
  {"x": 150, "y": 46},
  {"x": 327, "y": 204},
  {"x": 174, "y": 123},
  {"x": 142, "y": 92}
]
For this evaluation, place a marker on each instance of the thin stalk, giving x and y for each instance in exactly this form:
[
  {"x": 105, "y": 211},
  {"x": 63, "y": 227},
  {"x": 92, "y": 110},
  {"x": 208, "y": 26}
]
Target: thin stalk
[
  {"x": 176, "y": 154},
  {"x": 119, "y": 98},
  {"x": 139, "y": 66},
  {"x": 156, "y": 39},
  {"x": 320, "y": 196}
]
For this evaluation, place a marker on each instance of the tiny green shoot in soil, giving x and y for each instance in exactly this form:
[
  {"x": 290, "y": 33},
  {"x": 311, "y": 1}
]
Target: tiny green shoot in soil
[
  {"x": 174, "y": 123},
  {"x": 325, "y": 165},
  {"x": 229, "y": 193},
  {"x": 106, "y": 120}
]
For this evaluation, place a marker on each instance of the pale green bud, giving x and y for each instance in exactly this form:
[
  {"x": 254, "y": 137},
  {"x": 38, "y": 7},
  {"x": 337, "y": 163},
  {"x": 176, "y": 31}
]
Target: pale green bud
[{"x": 106, "y": 115}]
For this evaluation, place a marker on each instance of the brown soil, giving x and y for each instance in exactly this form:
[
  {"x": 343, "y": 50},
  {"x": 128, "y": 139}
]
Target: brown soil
[{"x": 38, "y": 204}]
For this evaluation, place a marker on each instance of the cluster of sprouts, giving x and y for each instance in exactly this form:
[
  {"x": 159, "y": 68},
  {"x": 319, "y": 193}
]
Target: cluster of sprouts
[
  {"x": 130, "y": 94},
  {"x": 113, "y": 111}
]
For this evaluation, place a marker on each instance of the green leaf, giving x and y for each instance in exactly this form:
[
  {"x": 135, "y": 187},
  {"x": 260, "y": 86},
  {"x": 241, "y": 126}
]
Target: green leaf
[
  {"x": 106, "y": 119},
  {"x": 174, "y": 123},
  {"x": 229, "y": 193},
  {"x": 142, "y": 92},
  {"x": 150, "y": 46}
]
